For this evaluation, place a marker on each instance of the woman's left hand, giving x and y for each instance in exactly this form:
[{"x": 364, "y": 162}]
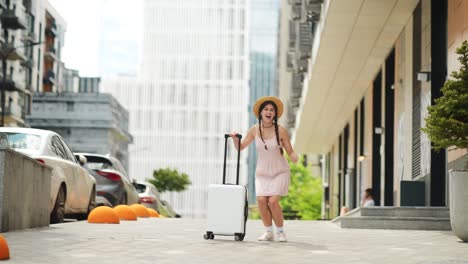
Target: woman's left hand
[{"x": 294, "y": 157}]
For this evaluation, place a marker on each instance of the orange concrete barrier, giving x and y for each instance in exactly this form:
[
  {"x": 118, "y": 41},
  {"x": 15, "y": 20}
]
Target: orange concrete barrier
[
  {"x": 125, "y": 212},
  {"x": 140, "y": 210},
  {"x": 152, "y": 212},
  {"x": 4, "y": 250},
  {"x": 103, "y": 215}
]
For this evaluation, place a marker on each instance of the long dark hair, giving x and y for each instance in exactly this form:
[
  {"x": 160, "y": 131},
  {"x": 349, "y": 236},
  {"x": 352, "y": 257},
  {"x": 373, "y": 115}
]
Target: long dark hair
[{"x": 275, "y": 122}]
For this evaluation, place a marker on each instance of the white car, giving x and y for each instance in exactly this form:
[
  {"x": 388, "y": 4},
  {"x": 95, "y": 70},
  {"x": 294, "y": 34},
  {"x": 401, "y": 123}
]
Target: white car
[
  {"x": 73, "y": 190},
  {"x": 149, "y": 195}
]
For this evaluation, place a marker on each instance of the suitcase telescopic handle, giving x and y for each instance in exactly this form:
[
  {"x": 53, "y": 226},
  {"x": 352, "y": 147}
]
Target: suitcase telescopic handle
[{"x": 226, "y": 137}]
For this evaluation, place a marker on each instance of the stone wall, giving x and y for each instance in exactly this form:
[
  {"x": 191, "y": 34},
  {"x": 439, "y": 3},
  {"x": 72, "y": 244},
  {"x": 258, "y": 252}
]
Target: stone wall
[{"x": 24, "y": 192}]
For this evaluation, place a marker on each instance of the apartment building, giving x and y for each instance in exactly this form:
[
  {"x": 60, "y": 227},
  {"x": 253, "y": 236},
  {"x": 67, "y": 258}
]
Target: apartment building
[{"x": 32, "y": 38}]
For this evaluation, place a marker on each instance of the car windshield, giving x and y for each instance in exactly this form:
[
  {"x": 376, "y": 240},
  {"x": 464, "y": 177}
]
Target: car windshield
[
  {"x": 22, "y": 140},
  {"x": 98, "y": 163},
  {"x": 141, "y": 188}
]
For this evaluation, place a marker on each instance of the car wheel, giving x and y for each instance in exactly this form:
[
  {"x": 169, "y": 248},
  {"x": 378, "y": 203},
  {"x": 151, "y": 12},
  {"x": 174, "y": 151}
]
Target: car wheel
[
  {"x": 91, "y": 206},
  {"x": 58, "y": 213}
]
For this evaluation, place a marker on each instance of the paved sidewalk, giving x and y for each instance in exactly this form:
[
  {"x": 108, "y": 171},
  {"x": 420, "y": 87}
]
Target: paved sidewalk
[{"x": 180, "y": 241}]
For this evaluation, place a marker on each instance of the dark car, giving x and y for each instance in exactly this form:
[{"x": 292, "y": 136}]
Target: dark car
[{"x": 113, "y": 185}]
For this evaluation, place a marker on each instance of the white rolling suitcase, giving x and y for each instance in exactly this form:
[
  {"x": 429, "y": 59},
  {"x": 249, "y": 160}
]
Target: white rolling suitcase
[{"x": 227, "y": 205}]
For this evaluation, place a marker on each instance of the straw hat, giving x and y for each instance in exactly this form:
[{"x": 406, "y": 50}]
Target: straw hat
[{"x": 274, "y": 99}]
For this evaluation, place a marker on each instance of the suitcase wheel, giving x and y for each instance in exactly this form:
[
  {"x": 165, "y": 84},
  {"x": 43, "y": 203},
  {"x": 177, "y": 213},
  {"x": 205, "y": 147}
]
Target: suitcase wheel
[
  {"x": 239, "y": 237},
  {"x": 208, "y": 235}
]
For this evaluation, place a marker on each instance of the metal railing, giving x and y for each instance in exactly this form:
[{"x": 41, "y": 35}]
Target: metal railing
[{"x": 15, "y": 15}]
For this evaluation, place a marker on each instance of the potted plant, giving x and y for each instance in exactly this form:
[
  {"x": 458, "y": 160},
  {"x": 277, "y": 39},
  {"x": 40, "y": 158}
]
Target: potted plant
[{"x": 446, "y": 126}]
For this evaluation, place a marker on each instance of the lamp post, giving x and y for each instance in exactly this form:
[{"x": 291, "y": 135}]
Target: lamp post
[{"x": 7, "y": 53}]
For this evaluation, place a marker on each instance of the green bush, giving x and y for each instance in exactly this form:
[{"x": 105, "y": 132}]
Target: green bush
[
  {"x": 304, "y": 199},
  {"x": 253, "y": 212}
]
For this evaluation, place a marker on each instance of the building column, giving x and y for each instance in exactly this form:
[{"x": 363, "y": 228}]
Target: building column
[{"x": 438, "y": 77}]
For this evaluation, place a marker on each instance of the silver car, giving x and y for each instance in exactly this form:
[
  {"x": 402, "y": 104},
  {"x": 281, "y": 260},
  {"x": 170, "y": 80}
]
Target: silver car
[
  {"x": 113, "y": 183},
  {"x": 149, "y": 195},
  {"x": 73, "y": 190}
]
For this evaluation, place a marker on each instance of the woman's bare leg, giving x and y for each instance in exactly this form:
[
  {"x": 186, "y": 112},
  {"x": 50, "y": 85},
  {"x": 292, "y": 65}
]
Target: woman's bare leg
[
  {"x": 276, "y": 210},
  {"x": 262, "y": 202}
]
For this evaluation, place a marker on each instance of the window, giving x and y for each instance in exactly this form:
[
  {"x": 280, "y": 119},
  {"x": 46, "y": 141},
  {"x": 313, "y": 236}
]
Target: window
[
  {"x": 242, "y": 19},
  {"x": 231, "y": 19},
  {"x": 68, "y": 152},
  {"x": 140, "y": 188},
  {"x": 57, "y": 148},
  {"x": 229, "y": 70},
  {"x": 98, "y": 163},
  {"x": 22, "y": 141}
]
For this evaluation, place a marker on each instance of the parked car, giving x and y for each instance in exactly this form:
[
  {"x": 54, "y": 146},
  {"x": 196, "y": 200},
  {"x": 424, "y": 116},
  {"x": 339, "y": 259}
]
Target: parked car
[
  {"x": 151, "y": 198},
  {"x": 100, "y": 200},
  {"x": 113, "y": 182},
  {"x": 149, "y": 195},
  {"x": 167, "y": 207},
  {"x": 73, "y": 190}
]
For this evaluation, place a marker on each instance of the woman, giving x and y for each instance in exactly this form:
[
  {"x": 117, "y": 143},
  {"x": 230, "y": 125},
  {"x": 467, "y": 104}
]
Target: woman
[
  {"x": 368, "y": 198},
  {"x": 272, "y": 174}
]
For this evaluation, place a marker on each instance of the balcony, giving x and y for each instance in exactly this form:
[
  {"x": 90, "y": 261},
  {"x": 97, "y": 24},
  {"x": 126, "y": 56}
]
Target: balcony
[
  {"x": 292, "y": 34},
  {"x": 28, "y": 34},
  {"x": 49, "y": 78},
  {"x": 13, "y": 113},
  {"x": 291, "y": 115},
  {"x": 290, "y": 61},
  {"x": 296, "y": 11},
  {"x": 300, "y": 65},
  {"x": 15, "y": 82},
  {"x": 28, "y": 63},
  {"x": 297, "y": 84},
  {"x": 13, "y": 109},
  {"x": 13, "y": 17},
  {"x": 304, "y": 40},
  {"x": 51, "y": 29},
  {"x": 311, "y": 10},
  {"x": 9, "y": 52},
  {"x": 51, "y": 54}
]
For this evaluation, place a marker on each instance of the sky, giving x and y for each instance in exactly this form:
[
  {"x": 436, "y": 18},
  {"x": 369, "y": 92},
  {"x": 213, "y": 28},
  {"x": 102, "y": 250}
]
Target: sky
[{"x": 103, "y": 37}]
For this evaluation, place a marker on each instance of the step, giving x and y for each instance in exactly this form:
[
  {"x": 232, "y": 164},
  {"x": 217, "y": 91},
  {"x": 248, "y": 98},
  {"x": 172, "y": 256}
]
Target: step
[
  {"x": 354, "y": 213},
  {"x": 396, "y": 223},
  {"x": 436, "y": 212}
]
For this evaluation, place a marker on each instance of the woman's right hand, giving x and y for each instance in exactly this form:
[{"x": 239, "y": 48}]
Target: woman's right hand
[{"x": 233, "y": 135}]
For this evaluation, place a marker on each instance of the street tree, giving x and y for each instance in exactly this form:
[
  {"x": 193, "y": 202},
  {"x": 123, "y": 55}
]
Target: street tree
[
  {"x": 447, "y": 122},
  {"x": 168, "y": 179}
]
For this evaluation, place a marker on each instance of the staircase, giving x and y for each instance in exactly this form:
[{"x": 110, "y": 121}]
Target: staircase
[{"x": 408, "y": 218}]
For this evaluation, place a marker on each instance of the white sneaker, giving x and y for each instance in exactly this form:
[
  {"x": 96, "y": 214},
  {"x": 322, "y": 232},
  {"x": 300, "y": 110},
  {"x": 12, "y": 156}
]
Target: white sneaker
[
  {"x": 267, "y": 236},
  {"x": 282, "y": 237}
]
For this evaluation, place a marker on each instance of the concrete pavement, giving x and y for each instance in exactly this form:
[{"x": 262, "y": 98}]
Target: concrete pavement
[{"x": 180, "y": 241}]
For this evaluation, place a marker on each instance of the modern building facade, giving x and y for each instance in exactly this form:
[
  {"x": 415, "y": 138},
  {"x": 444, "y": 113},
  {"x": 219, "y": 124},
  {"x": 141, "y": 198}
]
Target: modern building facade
[
  {"x": 374, "y": 68},
  {"x": 263, "y": 51},
  {"x": 89, "y": 122},
  {"x": 32, "y": 35},
  {"x": 192, "y": 88}
]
